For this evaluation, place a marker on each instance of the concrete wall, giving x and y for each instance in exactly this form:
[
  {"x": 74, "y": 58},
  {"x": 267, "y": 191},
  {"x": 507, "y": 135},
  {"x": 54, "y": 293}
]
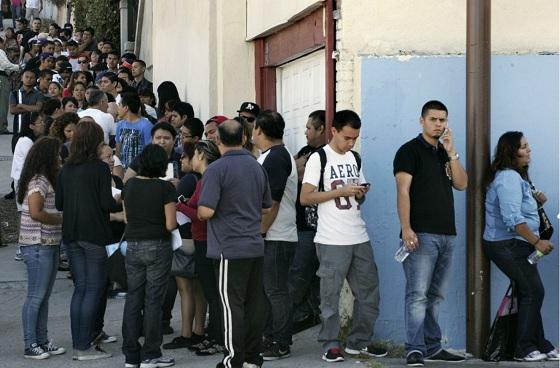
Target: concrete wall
[
  {"x": 393, "y": 91},
  {"x": 144, "y": 34},
  {"x": 432, "y": 27},
  {"x": 204, "y": 52},
  {"x": 266, "y": 15}
]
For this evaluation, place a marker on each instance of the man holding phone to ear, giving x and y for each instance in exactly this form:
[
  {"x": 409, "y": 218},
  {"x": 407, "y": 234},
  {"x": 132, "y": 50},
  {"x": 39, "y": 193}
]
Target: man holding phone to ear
[
  {"x": 333, "y": 179},
  {"x": 426, "y": 169}
]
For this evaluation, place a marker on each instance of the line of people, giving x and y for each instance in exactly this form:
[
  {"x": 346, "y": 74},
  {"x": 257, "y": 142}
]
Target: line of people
[{"x": 274, "y": 235}]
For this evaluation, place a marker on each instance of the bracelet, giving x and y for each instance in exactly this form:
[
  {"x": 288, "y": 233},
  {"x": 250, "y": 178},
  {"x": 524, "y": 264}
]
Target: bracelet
[
  {"x": 537, "y": 242},
  {"x": 454, "y": 157}
]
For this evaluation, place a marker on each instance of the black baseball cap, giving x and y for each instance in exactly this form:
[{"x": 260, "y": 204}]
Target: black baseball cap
[{"x": 250, "y": 107}]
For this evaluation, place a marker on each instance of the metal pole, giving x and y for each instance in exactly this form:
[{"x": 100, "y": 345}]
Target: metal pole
[
  {"x": 123, "y": 7},
  {"x": 478, "y": 158},
  {"x": 330, "y": 71}
]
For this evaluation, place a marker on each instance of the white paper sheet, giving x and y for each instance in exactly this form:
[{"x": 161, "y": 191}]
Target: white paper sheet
[
  {"x": 115, "y": 191},
  {"x": 176, "y": 240},
  {"x": 169, "y": 172},
  {"x": 182, "y": 218}
]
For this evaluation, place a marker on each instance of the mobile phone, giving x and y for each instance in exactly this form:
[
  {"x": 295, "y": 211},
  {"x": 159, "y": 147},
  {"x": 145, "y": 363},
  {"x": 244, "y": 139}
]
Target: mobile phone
[
  {"x": 182, "y": 198},
  {"x": 366, "y": 185},
  {"x": 445, "y": 132}
]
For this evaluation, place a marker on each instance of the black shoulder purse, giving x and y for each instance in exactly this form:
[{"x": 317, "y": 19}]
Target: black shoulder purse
[{"x": 545, "y": 228}]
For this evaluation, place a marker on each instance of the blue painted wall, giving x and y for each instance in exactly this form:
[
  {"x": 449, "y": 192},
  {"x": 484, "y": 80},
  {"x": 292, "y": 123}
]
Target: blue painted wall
[{"x": 524, "y": 97}]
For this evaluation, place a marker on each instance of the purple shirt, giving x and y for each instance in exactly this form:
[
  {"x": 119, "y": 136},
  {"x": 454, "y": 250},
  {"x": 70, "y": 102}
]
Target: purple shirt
[{"x": 236, "y": 188}]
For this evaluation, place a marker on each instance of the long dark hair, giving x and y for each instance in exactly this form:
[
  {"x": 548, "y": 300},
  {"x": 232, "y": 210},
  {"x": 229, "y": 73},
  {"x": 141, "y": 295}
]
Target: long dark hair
[
  {"x": 505, "y": 155},
  {"x": 85, "y": 142},
  {"x": 166, "y": 92},
  {"x": 26, "y": 130},
  {"x": 42, "y": 159}
]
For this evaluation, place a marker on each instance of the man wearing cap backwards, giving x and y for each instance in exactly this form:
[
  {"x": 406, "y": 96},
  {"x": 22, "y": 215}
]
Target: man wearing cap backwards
[
  {"x": 211, "y": 127},
  {"x": 249, "y": 111},
  {"x": 6, "y": 67},
  {"x": 33, "y": 8}
]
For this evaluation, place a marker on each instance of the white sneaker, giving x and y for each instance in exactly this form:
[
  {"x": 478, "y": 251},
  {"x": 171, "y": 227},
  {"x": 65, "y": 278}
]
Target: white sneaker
[
  {"x": 553, "y": 355},
  {"x": 534, "y": 356}
]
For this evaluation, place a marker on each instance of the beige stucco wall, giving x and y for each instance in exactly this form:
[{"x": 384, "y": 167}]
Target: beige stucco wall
[
  {"x": 143, "y": 46},
  {"x": 266, "y": 15},
  {"x": 433, "y": 27},
  {"x": 201, "y": 47}
]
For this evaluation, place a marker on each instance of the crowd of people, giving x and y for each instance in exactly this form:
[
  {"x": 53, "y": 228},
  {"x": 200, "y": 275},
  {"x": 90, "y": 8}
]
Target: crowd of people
[{"x": 255, "y": 240}]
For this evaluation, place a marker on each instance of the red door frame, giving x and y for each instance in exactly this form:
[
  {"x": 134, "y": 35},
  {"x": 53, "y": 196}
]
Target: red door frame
[{"x": 313, "y": 32}]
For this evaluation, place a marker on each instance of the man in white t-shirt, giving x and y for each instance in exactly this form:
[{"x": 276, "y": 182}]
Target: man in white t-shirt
[
  {"x": 342, "y": 242},
  {"x": 98, "y": 103},
  {"x": 279, "y": 230}
]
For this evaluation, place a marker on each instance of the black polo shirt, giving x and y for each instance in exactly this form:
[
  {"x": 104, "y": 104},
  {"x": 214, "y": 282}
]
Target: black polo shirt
[
  {"x": 431, "y": 192},
  {"x": 31, "y": 97}
]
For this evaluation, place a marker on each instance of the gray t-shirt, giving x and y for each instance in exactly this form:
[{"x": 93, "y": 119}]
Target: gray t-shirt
[{"x": 236, "y": 188}]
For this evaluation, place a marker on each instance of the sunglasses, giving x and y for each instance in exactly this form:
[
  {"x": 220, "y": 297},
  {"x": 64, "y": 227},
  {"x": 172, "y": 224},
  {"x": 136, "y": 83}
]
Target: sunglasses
[
  {"x": 82, "y": 62},
  {"x": 250, "y": 119}
]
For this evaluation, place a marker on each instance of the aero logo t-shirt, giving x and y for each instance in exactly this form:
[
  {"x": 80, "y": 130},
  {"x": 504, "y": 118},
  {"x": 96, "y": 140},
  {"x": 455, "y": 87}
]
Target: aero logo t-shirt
[{"x": 340, "y": 221}]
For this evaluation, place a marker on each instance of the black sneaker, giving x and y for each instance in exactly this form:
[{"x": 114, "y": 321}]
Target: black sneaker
[
  {"x": 445, "y": 356},
  {"x": 52, "y": 349},
  {"x": 157, "y": 362},
  {"x": 415, "y": 359},
  {"x": 276, "y": 351},
  {"x": 177, "y": 343},
  {"x": 333, "y": 355},
  {"x": 35, "y": 352},
  {"x": 370, "y": 350}
]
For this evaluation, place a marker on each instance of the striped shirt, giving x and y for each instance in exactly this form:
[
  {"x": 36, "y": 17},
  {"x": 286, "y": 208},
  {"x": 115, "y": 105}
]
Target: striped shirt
[{"x": 32, "y": 232}]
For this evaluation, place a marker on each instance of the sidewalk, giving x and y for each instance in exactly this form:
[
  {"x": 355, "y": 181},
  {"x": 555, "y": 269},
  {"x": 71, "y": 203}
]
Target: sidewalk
[{"x": 306, "y": 352}]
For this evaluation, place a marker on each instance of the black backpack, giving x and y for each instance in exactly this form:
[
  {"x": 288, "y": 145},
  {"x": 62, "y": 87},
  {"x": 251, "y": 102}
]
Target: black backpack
[{"x": 311, "y": 211}]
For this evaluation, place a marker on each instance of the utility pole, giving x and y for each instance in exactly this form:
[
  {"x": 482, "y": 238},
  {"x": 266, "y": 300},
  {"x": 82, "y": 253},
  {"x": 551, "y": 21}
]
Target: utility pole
[{"x": 478, "y": 159}]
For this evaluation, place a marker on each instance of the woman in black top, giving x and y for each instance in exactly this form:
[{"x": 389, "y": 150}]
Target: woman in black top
[
  {"x": 149, "y": 209},
  {"x": 83, "y": 193}
]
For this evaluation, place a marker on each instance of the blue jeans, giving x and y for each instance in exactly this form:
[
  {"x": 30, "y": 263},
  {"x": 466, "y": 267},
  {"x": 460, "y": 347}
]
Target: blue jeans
[
  {"x": 16, "y": 13},
  {"x": 427, "y": 272},
  {"x": 42, "y": 263},
  {"x": 511, "y": 258},
  {"x": 88, "y": 263},
  {"x": 148, "y": 265},
  {"x": 278, "y": 256}
]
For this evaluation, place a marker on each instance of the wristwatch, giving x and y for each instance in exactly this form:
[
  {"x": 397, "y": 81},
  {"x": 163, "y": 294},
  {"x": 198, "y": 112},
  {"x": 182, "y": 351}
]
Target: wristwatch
[{"x": 454, "y": 157}]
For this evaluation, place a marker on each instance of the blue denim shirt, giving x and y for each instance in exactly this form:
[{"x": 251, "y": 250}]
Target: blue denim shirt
[{"x": 509, "y": 202}]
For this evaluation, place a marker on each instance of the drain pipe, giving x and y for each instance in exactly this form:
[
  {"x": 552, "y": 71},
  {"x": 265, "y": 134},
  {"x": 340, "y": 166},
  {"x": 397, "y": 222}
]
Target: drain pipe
[
  {"x": 330, "y": 66},
  {"x": 478, "y": 159}
]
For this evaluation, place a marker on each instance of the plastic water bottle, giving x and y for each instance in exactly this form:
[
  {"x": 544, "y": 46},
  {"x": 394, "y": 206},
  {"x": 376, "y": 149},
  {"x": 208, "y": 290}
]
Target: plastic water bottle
[
  {"x": 401, "y": 253},
  {"x": 535, "y": 257}
]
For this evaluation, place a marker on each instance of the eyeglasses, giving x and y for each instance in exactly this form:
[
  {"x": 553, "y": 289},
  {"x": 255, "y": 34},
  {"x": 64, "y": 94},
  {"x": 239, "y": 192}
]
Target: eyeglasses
[{"x": 82, "y": 61}]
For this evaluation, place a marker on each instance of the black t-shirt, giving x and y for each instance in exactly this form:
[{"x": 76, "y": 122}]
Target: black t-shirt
[
  {"x": 83, "y": 193},
  {"x": 431, "y": 193},
  {"x": 301, "y": 223},
  {"x": 144, "y": 201}
]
